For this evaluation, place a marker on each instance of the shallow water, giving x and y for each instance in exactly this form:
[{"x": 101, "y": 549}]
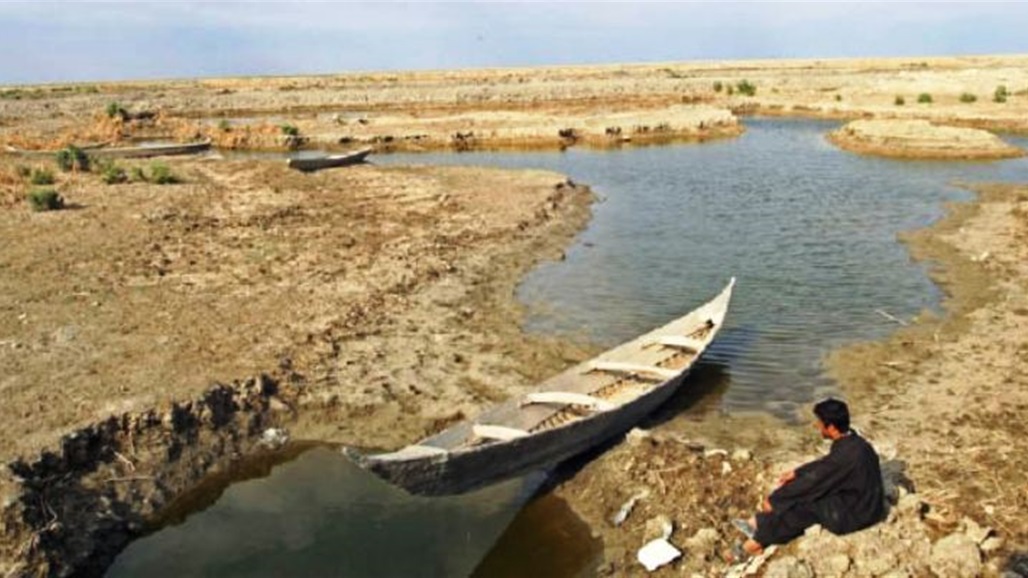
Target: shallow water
[{"x": 809, "y": 231}]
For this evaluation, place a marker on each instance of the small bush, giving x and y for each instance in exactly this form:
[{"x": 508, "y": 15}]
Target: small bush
[
  {"x": 23, "y": 171},
  {"x": 45, "y": 200},
  {"x": 900, "y": 101},
  {"x": 42, "y": 177},
  {"x": 224, "y": 125},
  {"x": 290, "y": 130},
  {"x": 924, "y": 98},
  {"x": 838, "y": 98},
  {"x": 1001, "y": 94},
  {"x": 72, "y": 157},
  {"x": 138, "y": 175},
  {"x": 114, "y": 109},
  {"x": 968, "y": 97},
  {"x": 746, "y": 88},
  {"x": 112, "y": 174},
  {"x": 718, "y": 86},
  {"x": 729, "y": 90},
  {"x": 160, "y": 174}
]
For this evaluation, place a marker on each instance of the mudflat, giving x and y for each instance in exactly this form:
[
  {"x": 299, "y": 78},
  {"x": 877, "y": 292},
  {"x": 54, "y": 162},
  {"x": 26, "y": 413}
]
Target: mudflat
[{"x": 372, "y": 305}]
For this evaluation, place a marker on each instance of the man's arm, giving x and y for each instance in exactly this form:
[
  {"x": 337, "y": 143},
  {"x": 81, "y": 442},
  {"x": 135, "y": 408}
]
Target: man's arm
[{"x": 810, "y": 482}]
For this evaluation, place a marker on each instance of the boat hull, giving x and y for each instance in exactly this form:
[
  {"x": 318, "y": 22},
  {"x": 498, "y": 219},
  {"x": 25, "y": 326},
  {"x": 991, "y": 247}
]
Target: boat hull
[
  {"x": 521, "y": 436},
  {"x": 317, "y": 164}
]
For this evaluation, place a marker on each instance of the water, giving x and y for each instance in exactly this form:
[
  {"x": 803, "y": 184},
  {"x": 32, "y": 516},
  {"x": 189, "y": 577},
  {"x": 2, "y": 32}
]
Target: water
[
  {"x": 810, "y": 232},
  {"x": 322, "y": 516}
]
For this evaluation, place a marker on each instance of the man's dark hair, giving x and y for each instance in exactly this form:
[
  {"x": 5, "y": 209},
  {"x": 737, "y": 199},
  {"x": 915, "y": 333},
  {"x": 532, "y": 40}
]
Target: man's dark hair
[{"x": 833, "y": 412}]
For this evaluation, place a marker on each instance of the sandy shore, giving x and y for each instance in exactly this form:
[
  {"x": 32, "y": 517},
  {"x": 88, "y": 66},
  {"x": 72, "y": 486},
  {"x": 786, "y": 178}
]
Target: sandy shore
[{"x": 373, "y": 305}]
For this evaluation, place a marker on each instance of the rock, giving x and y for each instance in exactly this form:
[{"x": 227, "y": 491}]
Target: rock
[
  {"x": 726, "y": 468},
  {"x": 974, "y": 531},
  {"x": 276, "y": 405},
  {"x": 990, "y": 545},
  {"x": 834, "y": 565},
  {"x": 742, "y": 455},
  {"x": 274, "y": 438},
  {"x": 658, "y": 527},
  {"x": 788, "y": 567},
  {"x": 637, "y": 435},
  {"x": 956, "y": 555},
  {"x": 702, "y": 543}
]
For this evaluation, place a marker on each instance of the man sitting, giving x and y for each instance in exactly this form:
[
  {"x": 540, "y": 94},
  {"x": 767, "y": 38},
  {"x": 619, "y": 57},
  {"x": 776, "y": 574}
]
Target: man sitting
[{"x": 841, "y": 491}]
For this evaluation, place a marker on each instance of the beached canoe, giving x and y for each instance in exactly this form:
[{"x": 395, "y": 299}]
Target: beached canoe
[
  {"x": 568, "y": 414},
  {"x": 329, "y": 161},
  {"x": 135, "y": 152}
]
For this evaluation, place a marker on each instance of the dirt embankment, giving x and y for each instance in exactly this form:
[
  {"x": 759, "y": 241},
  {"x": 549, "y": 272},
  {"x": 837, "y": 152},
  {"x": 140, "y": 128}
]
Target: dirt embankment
[
  {"x": 377, "y": 300},
  {"x": 920, "y": 139},
  {"x": 610, "y": 105},
  {"x": 943, "y": 400}
]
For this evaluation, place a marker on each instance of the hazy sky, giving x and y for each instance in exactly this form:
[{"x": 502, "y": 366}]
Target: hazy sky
[{"x": 74, "y": 40}]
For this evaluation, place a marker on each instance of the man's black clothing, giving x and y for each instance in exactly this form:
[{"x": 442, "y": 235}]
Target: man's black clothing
[{"x": 841, "y": 491}]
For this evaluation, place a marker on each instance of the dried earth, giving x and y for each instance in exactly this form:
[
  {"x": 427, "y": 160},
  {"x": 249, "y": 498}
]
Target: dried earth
[
  {"x": 920, "y": 139},
  {"x": 372, "y": 305}
]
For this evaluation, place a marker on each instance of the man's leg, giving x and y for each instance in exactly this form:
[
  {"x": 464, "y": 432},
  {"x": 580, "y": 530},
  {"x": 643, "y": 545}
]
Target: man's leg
[{"x": 780, "y": 527}]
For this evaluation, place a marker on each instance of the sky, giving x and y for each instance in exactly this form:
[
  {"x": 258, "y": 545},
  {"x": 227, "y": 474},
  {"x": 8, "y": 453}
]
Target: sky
[{"x": 71, "y": 41}]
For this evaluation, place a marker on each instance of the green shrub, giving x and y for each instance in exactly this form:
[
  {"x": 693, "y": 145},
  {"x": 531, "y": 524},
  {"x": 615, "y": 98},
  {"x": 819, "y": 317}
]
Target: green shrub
[
  {"x": 290, "y": 130},
  {"x": 72, "y": 157},
  {"x": 900, "y": 101},
  {"x": 924, "y": 98},
  {"x": 838, "y": 98},
  {"x": 42, "y": 177},
  {"x": 114, "y": 109},
  {"x": 23, "y": 171},
  {"x": 112, "y": 174},
  {"x": 729, "y": 90},
  {"x": 1001, "y": 94},
  {"x": 224, "y": 125},
  {"x": 160, "y": 174},
  {"x": 746, "y": 88},
  {"x": 718, "y": 86},
  {"x": 968, "y": 97},
  {"x": 138, "y": 175},
  {"x": 45, "y": 200}
]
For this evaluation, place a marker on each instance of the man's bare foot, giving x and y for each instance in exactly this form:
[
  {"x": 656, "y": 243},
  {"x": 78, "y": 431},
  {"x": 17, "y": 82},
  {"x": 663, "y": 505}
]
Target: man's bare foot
[{"x": 753, "y": 548}]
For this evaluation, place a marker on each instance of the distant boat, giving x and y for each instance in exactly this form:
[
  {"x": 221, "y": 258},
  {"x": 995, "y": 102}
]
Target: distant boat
[
  {"x": 566, "y": 415},
  {"x": 135, "y": 152},
  {"x": 329, "y": 161}
]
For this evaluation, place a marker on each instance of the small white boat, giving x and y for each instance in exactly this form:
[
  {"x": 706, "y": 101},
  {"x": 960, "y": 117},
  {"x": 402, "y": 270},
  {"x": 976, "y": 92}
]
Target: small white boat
[{"x": 568, "y": 414}]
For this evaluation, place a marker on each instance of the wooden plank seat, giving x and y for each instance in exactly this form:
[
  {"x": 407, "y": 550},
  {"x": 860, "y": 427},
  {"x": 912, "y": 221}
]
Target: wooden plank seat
[
  {"x": 497, "y": 432},
  {"x": 680, "y": 342},
  {"x": 568, "y": 398},
  {"x": 650, "y": 372}
]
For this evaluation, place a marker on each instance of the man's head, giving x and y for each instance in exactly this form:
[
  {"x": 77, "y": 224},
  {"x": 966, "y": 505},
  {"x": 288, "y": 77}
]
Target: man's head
[{"x": 832, "y": 414}]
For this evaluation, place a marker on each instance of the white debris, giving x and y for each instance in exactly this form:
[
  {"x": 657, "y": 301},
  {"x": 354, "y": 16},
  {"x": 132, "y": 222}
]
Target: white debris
[
  {"x": 274, "y": 438},
  {"x": 657, "y": 553},
  {"x": 715, "y": 452},
  {"x": 726, "y": 468},
  {"x": 627, "y": 507}
]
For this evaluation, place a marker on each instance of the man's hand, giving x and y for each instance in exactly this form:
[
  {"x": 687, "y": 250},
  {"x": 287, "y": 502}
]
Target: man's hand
[{"x": 786, "y": 478}]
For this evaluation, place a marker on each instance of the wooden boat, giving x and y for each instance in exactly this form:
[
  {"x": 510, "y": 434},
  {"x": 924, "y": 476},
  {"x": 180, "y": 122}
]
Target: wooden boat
[
  {"x": 135, "y": 152},
  {"x": 329, "y": 161},
  {"x": 161, "y": 150},
  {"x": 567, "y": 414}
]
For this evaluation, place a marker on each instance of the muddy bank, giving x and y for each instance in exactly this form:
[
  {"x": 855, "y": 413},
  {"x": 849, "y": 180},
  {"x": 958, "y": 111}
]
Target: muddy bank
[
  {"x": 920, "y": 139},
  {"x": 377, "y": 300},
  {"x": 942, "y": 400}
]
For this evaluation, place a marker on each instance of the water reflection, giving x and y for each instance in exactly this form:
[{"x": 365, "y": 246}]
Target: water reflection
[{"x": 321, "y": 515}]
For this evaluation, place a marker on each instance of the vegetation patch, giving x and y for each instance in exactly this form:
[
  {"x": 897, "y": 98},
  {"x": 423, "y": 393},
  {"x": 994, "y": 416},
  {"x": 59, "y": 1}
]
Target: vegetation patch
[
  {"x": 72, "y": 158},
  {"x": 899, "y": 101},
  {"x": 1001, "y": 94},
  {"x": 45, "y": 200},
  {"x": 42, "y": 177},
  {"x": 924, "y": 98},
  {"x": 967, "y": 97},
  {"x": 111, "y": 173},
  {"x": 746, "y": 88}
]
